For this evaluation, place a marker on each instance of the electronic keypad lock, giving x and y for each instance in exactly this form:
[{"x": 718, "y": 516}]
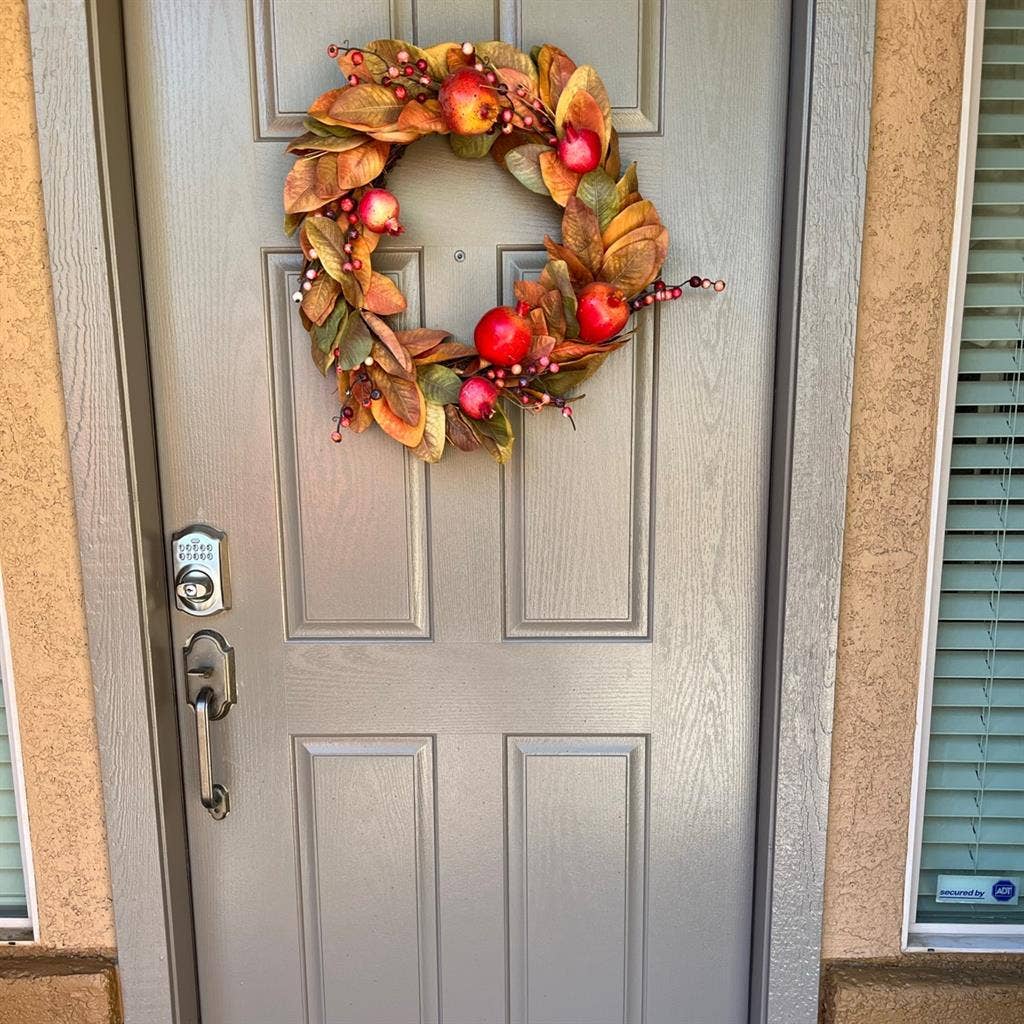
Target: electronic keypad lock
[{"x": 200, "y": 566}]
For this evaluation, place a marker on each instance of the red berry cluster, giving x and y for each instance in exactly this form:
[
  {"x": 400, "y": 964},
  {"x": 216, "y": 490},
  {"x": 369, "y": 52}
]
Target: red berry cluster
[{"x": 661, "y": 292}]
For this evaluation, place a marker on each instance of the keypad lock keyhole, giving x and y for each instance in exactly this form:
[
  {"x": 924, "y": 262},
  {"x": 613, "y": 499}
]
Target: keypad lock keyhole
[{"x": 199, "y": 554}]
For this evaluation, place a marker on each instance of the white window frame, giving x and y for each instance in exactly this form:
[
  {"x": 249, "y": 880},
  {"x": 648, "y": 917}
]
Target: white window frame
[
  {"x": 930, "y": 936},
  {"x": 27, "y": 925}
]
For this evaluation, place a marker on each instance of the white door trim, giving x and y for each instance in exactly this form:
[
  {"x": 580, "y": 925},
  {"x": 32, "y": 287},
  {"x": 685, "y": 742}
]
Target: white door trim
[{"x": 82, "y": 122}]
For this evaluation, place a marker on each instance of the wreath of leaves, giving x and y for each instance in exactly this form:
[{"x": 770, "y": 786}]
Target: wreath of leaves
[{"x": 408, "y": 381}]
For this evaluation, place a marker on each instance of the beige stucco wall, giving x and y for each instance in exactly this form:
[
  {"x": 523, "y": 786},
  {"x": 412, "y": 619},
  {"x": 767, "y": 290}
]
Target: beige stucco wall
[
  {"x": 38, "y": 549},
  {"x": 904, "y": 282}
]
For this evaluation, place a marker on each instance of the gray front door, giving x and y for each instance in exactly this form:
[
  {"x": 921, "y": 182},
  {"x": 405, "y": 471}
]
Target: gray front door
[{"x": 494, "y": 752}]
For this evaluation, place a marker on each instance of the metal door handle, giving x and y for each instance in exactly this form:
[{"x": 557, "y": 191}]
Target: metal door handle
[
  {"x": 210, "y": 690},
  {"x": 213, "y": 795}
]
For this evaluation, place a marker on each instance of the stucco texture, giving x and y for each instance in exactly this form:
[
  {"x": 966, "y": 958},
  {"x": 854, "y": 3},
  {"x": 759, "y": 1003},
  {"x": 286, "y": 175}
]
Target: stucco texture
[
  {"x": 911, "y": 184},
  {"x": 897, "y": 994},
  {"x": 910, "y": 204},
  {"x": 56, "y": 995},
  {"x": 39, "y": 552}
]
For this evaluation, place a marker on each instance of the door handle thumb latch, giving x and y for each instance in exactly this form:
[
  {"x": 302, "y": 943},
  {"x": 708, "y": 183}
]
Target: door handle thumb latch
[{"x": 210, "y": 691}]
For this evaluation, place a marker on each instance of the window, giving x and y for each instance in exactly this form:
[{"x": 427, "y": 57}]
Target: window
[
  {"x": 16, "y": 903},
  {"x": 966, "y": 868}
]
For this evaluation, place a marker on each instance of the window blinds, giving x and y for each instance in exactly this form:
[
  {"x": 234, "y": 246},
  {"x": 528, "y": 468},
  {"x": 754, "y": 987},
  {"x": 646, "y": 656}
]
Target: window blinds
[
  {"x": 12, "y": 880},
  {"x": 973, "y": 832}
]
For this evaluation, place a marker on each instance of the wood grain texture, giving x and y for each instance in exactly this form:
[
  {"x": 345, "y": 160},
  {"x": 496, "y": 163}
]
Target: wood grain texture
[
  {"x": 366, "y": 815},
  {"x": 374, "y": 489},
  {"x": 576, "y": 521},
  {"x": 576, "y": 938},
  {"x": 836, "y": 171},
  {"x": 91, "y": 334},
  {"x": 693, "y": 689}
]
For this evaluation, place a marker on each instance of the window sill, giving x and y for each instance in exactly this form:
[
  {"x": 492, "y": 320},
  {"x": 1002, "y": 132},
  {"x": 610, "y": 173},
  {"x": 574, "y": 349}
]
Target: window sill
[{"x": 977, "y": 939}]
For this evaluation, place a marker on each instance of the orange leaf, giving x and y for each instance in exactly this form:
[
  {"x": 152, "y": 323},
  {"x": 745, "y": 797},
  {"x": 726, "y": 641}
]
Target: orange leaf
[
  {"x": 360, "y": 166},
  {"x": 327, "y": 177},
  {"x": 445, "y": 351},
  {"x": 300, "y": 193},
  {"x": 555, "y": 68},
  {"x": 318, "y": 302},
  {"x": 579, "y": 273},
  {"x": 560, "y": 181},
  {"x": 320, "y": 108},
  {"x": 632, "y": 268},
  {"x": 530, "y": 292},
  {"x": 423, "y": 118},
  {"x": 394, "y": 426},
  {"x": 582, "y": 233},
  {"x": 585, "y": 79},
  {"x": 582, "y": 111},
  {"x": 632, "y": 217},
  {"x": 420, "y": 339},
  {"x": 383, "y": 296},
  {"x": 388, "y": 338},
  {"x": 402, "y": 395},
  {"x": 361, "y": 252}
]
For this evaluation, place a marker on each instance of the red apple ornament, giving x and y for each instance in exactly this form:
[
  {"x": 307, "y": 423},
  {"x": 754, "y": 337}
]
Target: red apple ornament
[
  {"x": 378, "y": 210},
  {"x": 477, "y": 398},
  {"x": 580, "y": 149},
  {"x": 469, "y": 102},
  {"x": 602, "y": 311},
  {"x": 502, "y": 336}
]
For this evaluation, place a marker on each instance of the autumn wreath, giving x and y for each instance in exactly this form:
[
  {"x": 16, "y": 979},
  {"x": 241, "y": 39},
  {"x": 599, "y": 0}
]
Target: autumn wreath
[{"x": 546, "y": 121}]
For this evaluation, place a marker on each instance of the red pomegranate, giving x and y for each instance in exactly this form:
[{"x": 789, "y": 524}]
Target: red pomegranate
[
  {"x": 478, "y": 397},
  {"x": 602, "y": 311},
  {"x": 580, "y": 149},
  {"x": 469, "y": 102},
  {"x": 378, "y": 210},
  {"x": 502, "y": 336}
]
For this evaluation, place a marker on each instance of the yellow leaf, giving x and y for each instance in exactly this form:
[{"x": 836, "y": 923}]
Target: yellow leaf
[
  {"x": 431, "y": 446},
  {"x": 632, "y": 268},
  {"x": 320, "y": 108},
  {"x": 559, "y": 180},
  {"x": 652, "y": 232},
  {"x": 318, "y": 302},
  {"x": 366, "y": 106},
  {"x": 630, "y": 218}
]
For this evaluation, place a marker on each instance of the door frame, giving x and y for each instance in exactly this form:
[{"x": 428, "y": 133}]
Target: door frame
[{"x": 82, "y": 117}]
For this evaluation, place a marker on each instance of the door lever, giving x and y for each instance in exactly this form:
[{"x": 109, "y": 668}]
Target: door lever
[{"x": 210, "y": 690}]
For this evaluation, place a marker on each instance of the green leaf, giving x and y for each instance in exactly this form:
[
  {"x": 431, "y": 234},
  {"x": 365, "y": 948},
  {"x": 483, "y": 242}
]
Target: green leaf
[
  {"x": 431, "y": 448},
  {"x": 326, "y": 334},
  {"x": 563, "y": 383},
  {"x": 597, "y": 190},
  {"x": 329, "y": 241},
  {"x": 495, "y": 435},
  {"x": 292, "y": 222},
  {"x": 471, "y": 147},
  {"x": 440, "y": 383},
  {"x": 523, "y": 163},
  {"x": 354, "y": 343},
  {"x": 311, "y": 124},
  {"x": 559, "y": 271}
]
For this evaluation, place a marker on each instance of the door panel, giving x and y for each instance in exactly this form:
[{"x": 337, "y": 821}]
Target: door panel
[{"x": 494, "y": 752}]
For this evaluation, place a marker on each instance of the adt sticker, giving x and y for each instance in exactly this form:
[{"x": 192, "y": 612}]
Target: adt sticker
[
  {"x": 978, "y": 889},
  {"x": 1005, "y": 891}
]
